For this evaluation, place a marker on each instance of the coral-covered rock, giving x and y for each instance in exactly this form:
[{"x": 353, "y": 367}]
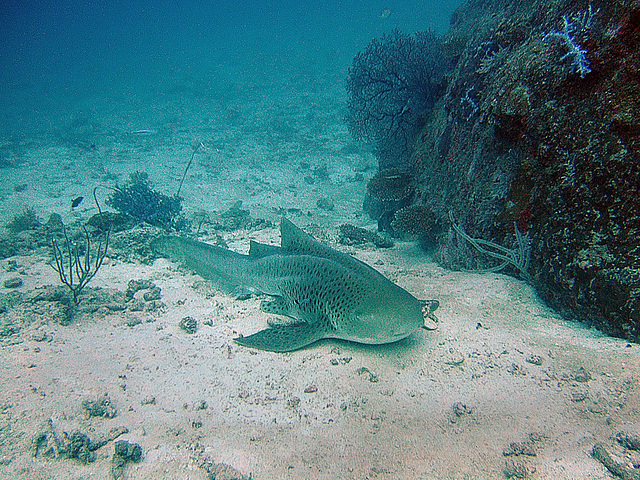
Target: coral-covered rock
[
  {"x": 419, "y": 221},
  {"x": 387, "y": 192},
  {"x": 539, "y": 129}
]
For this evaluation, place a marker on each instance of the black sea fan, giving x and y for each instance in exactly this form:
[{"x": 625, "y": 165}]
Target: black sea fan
[{"x": 392, "y": 86}]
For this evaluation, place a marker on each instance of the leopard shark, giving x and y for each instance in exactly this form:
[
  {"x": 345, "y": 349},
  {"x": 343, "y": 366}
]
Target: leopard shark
[{"x": 315, "y": 291}]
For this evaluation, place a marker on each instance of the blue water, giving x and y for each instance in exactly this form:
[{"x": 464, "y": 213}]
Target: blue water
[{"x": 56, "y": 55}]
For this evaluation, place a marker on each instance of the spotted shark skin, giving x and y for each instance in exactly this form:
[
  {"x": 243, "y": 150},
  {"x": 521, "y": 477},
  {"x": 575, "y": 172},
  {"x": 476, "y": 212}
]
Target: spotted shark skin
[{"x": 322, "y": 293}]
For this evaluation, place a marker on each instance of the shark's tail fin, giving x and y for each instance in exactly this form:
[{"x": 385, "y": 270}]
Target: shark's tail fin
[
  {"x": 283, "y": 338},
  {"x": 223, "y": 268}
]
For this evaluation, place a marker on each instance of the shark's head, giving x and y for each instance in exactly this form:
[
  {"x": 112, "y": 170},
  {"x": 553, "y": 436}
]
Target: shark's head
[{"x": 390, "y": 317}]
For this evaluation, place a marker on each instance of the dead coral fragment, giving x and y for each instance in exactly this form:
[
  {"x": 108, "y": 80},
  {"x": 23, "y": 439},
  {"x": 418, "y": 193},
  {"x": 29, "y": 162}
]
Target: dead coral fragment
[
  {"x": 618, "y": 469},
  {"x": 515, "y": 469},
  {"x": 222, "y": 471},
  {"x": 124, "y": 452},
  {"x": 131, "y": 452},
  {"x": 100, "y": 407},
  {"x": 135, "y": 286},
  {"x": 326, "y": 204},
  {"x": 629, "y": 441},
  {"x": 234, "y": 218},
  {"x": 46, "y": 442},
  {"x": 189, "y": 325},
  {"x": 78, "y": 445},
  {"x": 520, "y": 448},
  {"x": 70, "y": 445},
  {"x": 352, "y": 235},
  {"x": 12, "y": 282}
]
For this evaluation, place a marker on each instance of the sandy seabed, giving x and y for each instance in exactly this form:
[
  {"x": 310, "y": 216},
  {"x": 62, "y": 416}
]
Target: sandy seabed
[{"x": 501, "y": 368}]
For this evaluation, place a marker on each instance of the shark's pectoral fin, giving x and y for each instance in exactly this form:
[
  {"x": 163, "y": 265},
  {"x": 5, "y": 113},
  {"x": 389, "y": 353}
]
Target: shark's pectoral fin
[{"x": 283, "y": 338}]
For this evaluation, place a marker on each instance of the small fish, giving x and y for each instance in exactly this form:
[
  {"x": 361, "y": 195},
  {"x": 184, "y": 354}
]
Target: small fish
[
  {"x": 323, "y": 292},
  {"x": 76, "y": 201},
  {"x": 143, "y": 131}
]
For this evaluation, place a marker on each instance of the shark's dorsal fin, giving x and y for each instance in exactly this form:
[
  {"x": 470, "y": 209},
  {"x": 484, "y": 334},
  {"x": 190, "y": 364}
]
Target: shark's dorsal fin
[
  {"x": 260, "y": 250},
  {"x": 295, "y": 241}
]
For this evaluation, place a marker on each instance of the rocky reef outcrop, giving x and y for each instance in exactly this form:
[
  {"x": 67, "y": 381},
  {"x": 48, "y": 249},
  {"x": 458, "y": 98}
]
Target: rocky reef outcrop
[{"x": 537, "y": 135}]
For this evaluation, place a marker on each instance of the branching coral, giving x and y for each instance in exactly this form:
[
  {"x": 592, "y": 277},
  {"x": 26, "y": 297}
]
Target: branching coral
[
  {"x": 575, "y": 30},
  {"x": 76, "y": 263}
]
